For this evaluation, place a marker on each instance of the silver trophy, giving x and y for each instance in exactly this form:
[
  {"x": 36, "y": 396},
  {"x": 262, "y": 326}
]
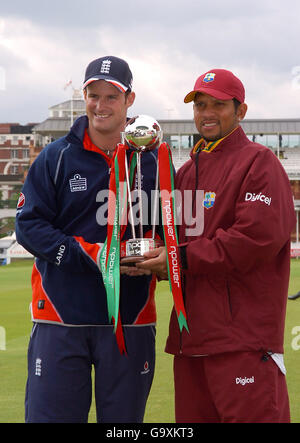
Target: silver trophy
[{"x": 142, "y": 133}]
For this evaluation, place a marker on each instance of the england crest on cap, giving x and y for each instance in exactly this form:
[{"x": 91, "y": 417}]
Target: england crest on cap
[{"x": 105, "y": 67}]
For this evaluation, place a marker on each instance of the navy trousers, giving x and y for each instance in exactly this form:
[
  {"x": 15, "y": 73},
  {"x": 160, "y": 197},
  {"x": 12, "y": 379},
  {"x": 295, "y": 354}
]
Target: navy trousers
[{"x": 60, "y": 362}]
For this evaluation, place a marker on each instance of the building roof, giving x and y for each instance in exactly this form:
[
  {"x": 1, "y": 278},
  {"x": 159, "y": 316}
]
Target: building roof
[
  {"x": 16, "y": 128},
  {"x": 13, "y": 179},
  {"x": 187, "y": 127},
  {"x": 271, "y": 126},
  {"x": 77, "y": 104},
  {"x": 250, "y": 126},
  {"x": 53, "y": 125},
  {"x": 178, "y": 126}
]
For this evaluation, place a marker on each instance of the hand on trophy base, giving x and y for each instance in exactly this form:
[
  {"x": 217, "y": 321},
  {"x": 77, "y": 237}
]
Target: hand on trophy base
[
  {"x": 155, "y": 261},
  {"x": 131, "y": 261},
  {"x": 133, "y": 250},
  {"x": 128, "y": 267}
]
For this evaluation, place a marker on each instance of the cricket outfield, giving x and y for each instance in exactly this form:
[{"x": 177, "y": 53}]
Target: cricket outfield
[{"x": 15, "y": 327}]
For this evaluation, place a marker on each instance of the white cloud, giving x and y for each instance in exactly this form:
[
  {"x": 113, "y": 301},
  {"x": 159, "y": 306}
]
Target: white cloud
[{"x": 167, "y": 48}]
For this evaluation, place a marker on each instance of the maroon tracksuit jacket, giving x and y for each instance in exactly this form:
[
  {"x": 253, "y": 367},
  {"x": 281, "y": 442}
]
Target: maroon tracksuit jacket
[{"x": 237, "y": 271}]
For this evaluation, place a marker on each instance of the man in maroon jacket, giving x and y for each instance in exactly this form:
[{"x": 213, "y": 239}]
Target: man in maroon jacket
[{"x": 229, "y": 366}]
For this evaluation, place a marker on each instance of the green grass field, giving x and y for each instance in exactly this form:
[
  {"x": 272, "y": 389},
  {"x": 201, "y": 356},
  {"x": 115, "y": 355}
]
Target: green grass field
[{"x": 15, "y": 294}]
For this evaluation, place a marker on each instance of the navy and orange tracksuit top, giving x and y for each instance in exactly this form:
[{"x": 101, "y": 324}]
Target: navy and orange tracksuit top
[{"x": 62, "y": 206}]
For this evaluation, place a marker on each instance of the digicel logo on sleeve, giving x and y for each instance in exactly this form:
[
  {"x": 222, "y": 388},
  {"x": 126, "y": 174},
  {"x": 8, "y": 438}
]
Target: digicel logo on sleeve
[{"x": 258, "y": 197}]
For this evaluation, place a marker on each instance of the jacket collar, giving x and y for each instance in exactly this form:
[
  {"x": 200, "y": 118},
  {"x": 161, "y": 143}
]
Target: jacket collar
[
  {"x": 233, "y": 138},
  {"x": 90, "y": 146},
  {"x": 77, "y": 131}
]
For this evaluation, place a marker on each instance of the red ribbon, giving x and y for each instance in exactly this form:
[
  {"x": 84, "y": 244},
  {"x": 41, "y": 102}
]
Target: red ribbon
[{"x": 166, "y": 181}]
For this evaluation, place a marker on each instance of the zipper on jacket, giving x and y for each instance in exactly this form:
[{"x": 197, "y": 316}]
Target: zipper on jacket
[
  {"x": 229, "y": 297},
  {"x": 180, "y": 343},
  {"x": 196, "y": 179}
]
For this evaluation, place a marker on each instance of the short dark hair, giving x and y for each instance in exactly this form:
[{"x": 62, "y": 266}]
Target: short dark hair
[
  {"x": 236, "y": 104},
  {"x": 127, "y": 93}
]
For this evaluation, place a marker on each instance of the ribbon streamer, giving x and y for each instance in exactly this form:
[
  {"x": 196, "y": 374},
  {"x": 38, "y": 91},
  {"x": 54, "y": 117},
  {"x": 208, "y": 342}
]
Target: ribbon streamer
[
  {"x": 110, "y": 255},
  {"x": 166, "y": 180}
]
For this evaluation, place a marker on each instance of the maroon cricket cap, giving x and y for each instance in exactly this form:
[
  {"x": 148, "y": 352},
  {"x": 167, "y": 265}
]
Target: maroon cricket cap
[{"x": 220, "y": 84}]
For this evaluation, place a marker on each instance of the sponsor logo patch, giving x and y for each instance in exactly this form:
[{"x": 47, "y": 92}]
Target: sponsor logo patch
[
  {"x": 209, "y": 77},
  {"x": 60, "y": 254},
  {"x": 244, "y": 380},
  {"x": 21, "y": 201},
  {"x": 38, "y": 367},
  {"x": 258, "y": 197},
  {"x": 105, "y": 67},
  {"x": 146, "y": 368},
  {"x": 209, "y": 199},
  {"x": 78, "y": 184},
  {"x": 41, "y": 304}
]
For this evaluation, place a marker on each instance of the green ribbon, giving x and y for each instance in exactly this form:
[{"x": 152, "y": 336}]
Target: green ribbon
[
  {"x": 110, "y": 259},
  {"x": 110, "y": 256}
]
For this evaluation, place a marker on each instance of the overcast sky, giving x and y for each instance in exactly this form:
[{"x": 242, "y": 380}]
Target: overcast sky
[{"x": 167, "y": 44}]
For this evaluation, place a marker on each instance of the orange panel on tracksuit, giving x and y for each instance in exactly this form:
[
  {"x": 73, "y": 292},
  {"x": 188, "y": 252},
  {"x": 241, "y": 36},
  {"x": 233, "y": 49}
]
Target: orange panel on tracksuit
[{"x": 42, "y": 307}]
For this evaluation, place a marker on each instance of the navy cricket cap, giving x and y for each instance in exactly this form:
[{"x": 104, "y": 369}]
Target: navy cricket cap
[{"x": 112, "y": 69}]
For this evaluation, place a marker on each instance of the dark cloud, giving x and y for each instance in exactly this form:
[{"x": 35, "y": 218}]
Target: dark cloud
[{"x": 70, "y": 13}]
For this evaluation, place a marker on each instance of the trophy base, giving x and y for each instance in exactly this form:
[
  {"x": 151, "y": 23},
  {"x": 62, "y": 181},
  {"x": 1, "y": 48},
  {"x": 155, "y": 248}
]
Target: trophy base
[{"x": 132, "y": 250}]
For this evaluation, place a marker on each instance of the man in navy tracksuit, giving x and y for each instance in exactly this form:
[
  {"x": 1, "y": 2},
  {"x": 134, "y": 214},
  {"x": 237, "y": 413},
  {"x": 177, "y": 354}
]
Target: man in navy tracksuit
[{"x": 61, "y": 221}]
